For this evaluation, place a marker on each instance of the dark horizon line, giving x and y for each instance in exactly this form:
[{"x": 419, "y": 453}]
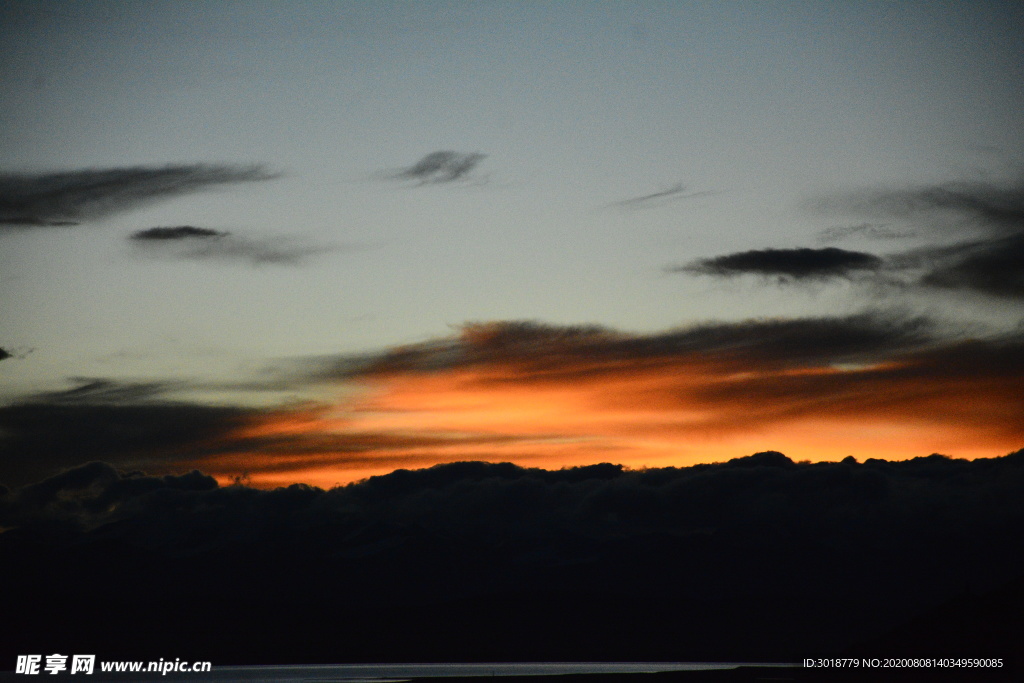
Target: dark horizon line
[{"x": 771, "y": 458}]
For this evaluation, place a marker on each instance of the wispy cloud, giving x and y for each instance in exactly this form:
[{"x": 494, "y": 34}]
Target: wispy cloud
[
  {"x": 989, "y": 207},
  {"x": 994, "y": 267},
  {"x": 66, "y": 198},
  {"x": 101, "y": 391},
  {"x": 187, "y": 242},
  {"x": 442, "y": 167},
  {"x": 874, "y": 231},
  {"x": 990, "y": 262},
  {"x": 785, "y": 264},
  {"x": 991, "y": 215},
  {"x": 677, "y": 191},
  {"x": 33, "y": 222},
  {"x": 991, "y": 269}
]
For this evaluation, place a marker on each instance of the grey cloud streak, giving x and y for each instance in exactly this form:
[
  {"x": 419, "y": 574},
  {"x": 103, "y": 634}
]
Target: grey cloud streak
[
  {"x": 69, "y": 197},
  {"x": 187, "y": 242},
  {"x": 677, "y": 191},
  {"x": 876, "y": 231}
]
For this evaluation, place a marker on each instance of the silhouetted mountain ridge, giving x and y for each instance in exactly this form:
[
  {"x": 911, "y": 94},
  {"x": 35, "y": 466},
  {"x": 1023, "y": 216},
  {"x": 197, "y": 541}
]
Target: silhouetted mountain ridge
[{"x": 758, "y": 558}]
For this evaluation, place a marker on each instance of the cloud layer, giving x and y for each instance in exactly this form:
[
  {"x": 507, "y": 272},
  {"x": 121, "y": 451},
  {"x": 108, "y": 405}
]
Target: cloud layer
[
  {"x": 32, "y": 200},
  {"x": 868, "y": 385}
]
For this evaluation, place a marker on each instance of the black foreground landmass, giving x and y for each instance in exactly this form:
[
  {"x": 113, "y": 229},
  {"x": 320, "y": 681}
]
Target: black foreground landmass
[
  {"x": 759, "y": 674},
  {"x": 756, "y": 560}
]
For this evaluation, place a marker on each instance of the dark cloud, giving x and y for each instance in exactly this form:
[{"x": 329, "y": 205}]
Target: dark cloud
[
  {"x": 756, "y": 559},
  {"x": 546, "y": 348},
  {"x": 442, "y": 167},
  {"x": 991, "y": 263},
  {"x": 135, "y": 425},
  {"x": 813, "y": 340},
  {"x": 786, "y": 264},
  {"x": 129, "y": 424},
  {"x": 968, "y": 384},
  {"x": 68, "y": 197},
  {"x": 19, "y": 352},
  {"x": 180, "y": 232},
  {"x": 785, "y": 341},
  {"x": 188, "y": 242},
  {"x": 994, "y": 267},
  {"x": 993, "y": 208}
]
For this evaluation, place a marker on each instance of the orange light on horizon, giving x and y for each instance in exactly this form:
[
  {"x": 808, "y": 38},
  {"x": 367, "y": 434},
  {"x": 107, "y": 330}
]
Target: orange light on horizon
[{"x": 638, "y": 413}]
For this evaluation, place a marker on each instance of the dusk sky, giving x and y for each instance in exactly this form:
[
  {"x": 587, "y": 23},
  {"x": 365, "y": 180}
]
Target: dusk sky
[{"x": 315, "y": 241}]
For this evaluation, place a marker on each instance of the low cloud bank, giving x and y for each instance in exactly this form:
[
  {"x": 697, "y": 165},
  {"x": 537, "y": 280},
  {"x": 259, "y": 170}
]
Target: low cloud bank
[{"x": 128, "y": 424}]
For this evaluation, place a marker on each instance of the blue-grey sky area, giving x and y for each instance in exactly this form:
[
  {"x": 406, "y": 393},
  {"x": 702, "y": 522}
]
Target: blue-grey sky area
[{"x": 217, "y": 194}]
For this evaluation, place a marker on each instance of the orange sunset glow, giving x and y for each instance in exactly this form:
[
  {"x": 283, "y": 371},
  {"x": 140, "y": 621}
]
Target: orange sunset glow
[{"x": 556, "y": 402}]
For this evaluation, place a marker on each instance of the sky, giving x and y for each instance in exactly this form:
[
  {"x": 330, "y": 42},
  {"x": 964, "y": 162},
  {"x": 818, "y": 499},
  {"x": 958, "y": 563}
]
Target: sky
[{"x": 311, "y": 242}]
